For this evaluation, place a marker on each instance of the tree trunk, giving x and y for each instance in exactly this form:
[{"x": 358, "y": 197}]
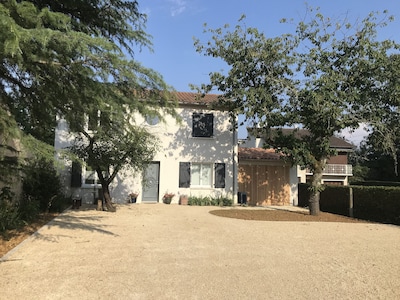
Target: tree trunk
[
  {"x": 100, "y": 205},
  {"x": 106, "y": 191},
  {"x": 313, "y": 203},
  {"x": 107, "y": 199},
  {"x": 316, "y": 188}
]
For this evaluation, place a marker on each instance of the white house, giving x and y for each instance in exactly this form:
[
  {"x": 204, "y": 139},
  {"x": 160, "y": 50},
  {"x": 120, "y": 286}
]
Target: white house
[{"x": 198, "y": 157}]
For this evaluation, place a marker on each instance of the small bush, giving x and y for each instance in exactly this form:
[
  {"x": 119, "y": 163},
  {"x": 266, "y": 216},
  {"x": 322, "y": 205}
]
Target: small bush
[
  {"x": 9, "y": 214},
  {"x": 41, "y": 184},
  {"x": 209, "y": 201},
  {"x": 59, "y": 204},
  {"x": 29, "y": 208}
]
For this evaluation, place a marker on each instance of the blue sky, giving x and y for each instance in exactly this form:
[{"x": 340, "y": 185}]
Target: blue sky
[{"x": 174, "y": 23}]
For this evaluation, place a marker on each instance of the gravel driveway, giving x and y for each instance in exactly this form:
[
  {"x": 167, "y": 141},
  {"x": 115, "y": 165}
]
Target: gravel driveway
[{"x": 158, "y": 251}]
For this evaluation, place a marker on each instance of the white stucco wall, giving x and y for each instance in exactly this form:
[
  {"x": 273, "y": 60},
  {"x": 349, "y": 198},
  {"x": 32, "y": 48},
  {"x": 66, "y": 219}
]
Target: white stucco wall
[{"x": 177, "y": 145}]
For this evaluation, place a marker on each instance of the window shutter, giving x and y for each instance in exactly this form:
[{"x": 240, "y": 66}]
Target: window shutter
[
  {"x": 209, "y": 124},
  {"x": 76, "y": 174},
  {"x": 184, "y": 174},
  {"x": 220, "y": 175}
]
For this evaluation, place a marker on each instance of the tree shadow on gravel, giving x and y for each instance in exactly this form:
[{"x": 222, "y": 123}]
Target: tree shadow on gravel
[{"x": 73, "y": 223}]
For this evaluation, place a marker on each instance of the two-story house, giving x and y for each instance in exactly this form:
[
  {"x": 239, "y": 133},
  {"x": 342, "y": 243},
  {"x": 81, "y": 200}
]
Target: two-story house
[
  {"x": 198, "y": 157},
  {"x": 268, "y": 180}
]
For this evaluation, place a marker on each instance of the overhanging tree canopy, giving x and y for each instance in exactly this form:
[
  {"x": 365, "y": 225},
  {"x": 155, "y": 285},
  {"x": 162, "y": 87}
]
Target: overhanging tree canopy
[
  {"x": 73, "y": 56},
  {"x": 318, "y": 77}
]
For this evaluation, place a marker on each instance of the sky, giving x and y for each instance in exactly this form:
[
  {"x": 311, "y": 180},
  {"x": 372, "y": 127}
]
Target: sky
[{"x": 174, "y": 23}]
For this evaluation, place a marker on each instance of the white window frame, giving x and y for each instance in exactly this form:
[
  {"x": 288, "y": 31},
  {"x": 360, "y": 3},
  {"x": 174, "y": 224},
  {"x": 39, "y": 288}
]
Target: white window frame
[
  {"x": 85, "y": 175},
  {"x": 202, "y": 184},
  {"x": 152, "y": 120},
  {"x": 88, "y": 121}
]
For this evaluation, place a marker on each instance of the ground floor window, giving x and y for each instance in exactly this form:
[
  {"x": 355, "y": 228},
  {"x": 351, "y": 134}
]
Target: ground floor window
[
  {"x": 207, "y": 175},
  {"x": 90, "y": 176},
  {"x": 201, "y": 175}
]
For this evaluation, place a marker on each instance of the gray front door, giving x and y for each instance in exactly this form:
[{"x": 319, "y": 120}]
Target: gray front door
[{"x": 151, "y": 183}]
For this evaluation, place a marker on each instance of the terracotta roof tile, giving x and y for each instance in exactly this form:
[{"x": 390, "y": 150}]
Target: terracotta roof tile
[
  {"x": 335, "y": 142},
  {"x": 196, "y": 98},
  {"x": 258, "y": 153}
]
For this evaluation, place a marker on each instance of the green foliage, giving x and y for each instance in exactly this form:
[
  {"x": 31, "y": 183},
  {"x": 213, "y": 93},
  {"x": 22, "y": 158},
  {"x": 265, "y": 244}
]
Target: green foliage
[
  {"x": 377, "y": 183},
  {"x": 372, "y": 163},
  {"x": 209, "y": 201},
  {"x": 377, "y": 203},
  {"x": 113, "y": 148},
  {"x": 59, "y": 60},
  {"x": 322, "y": 77},
  {"x": 373, "y": 203},
  {"x": 29, "y": 208},
  {"x": 41, "y": 185},
  {"x": 9, "y": 214}
]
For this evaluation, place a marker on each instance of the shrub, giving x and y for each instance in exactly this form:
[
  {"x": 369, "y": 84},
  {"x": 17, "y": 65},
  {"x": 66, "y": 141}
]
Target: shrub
[
  {"x": 373, "y": 203},
  {"x": 41, "y": 184},
  {"x": 29, "y": 208},
  {"x": 335, "y": 199},
  {"x": 9, "y": 214},
  {"x": 376, "y": 183},
  {"x": 209, "y": 201},
  {"x": 303, "y": 194},
  {"x": 377, "y": 203}
]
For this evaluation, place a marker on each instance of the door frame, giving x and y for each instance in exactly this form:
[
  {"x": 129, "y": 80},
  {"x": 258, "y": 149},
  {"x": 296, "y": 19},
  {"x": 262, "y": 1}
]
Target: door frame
[{"x": 151, "y": 199}]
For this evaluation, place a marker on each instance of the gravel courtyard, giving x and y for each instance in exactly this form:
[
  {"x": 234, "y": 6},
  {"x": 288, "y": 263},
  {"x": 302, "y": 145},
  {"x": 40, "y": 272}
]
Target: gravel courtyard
[{"x": 159, "y": 251}]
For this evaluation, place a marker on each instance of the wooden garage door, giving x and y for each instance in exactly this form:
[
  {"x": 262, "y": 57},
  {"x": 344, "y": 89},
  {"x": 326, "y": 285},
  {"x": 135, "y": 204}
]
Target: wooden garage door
[{"x": 265, "y": 185}]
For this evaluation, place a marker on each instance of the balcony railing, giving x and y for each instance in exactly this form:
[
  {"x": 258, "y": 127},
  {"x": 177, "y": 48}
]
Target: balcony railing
[{"x": 332, "y": 169}]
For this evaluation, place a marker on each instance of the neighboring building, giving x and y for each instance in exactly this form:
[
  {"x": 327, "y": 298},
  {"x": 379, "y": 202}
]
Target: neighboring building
[
  {"x": 265, "y": 178},
  {"x": 198, "y": 157},
  {"x": 268, "y": 180}
]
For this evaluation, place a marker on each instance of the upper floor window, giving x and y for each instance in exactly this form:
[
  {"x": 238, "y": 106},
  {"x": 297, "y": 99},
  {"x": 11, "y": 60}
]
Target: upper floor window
[
  {"x": 96, "y": 119},
  {"x": 152, "y": 120},
  {"x": 203, "y": 125}
]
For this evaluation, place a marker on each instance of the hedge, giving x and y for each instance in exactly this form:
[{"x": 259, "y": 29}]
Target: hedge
[{"x": 373, "y": 203}]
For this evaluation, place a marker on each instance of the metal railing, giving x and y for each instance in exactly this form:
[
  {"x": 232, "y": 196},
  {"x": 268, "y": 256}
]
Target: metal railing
[{"x": 335, "y": 169}]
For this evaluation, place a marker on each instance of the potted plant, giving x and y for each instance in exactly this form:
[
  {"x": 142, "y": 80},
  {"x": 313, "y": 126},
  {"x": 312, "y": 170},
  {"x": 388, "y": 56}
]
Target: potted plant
[
  {"x": 133, "y": 196},
  {"x": 183, "y": 200},
  {"x": 167, "y": 198}
]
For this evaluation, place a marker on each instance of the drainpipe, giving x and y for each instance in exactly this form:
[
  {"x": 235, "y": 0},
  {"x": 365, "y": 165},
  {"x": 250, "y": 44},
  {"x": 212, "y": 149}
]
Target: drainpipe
[{"x": 234, "y": 160}]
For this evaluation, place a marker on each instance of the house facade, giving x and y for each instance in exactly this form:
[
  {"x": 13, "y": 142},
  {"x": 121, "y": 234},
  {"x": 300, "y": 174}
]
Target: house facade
[
  {"x": 198, "y": 157},
  {"x": 268, "y": 180}
]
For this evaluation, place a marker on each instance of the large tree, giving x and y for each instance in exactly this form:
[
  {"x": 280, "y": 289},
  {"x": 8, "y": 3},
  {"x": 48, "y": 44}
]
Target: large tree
[
  {"x": 73, "y": 58},
  {"x": 315, "y": 78},
  {"x": 384, "y": 122}
]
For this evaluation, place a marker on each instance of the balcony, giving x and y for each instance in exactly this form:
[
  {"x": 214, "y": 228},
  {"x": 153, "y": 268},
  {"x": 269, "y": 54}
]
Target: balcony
[{"x": 336, "y": 170}]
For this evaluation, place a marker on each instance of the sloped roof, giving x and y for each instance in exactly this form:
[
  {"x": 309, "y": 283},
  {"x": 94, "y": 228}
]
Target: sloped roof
[
  {"x": 258, "y": 153},
  {"x": 335, "y": 142},
  {"x": 196, "y": 98}
]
